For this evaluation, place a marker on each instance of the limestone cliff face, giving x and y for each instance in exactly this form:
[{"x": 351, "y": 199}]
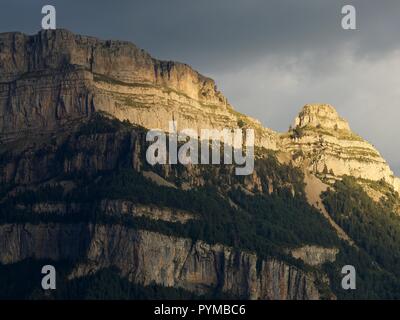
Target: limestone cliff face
[
  {"x": 178, "y": 262},
  {"x": 55, "y": 76},
  {"x": 123, "y": 61},
  {"x": 314, "y": 255},
  {"x": 322, "y": 142},
  {"x": 129, "y": 208}
]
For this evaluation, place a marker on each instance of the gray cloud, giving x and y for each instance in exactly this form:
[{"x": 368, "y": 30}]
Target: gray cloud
[{"x": 268, "y": 57}]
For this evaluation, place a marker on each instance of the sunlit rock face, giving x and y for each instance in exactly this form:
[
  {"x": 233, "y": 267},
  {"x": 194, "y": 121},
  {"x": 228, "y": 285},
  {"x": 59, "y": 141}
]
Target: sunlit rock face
[
  {"x": 320, "y": 115},
  {"x": 314, "y": 255},
  {"x": 56, "y": 76},
  {"x": 323, "y": 142}
]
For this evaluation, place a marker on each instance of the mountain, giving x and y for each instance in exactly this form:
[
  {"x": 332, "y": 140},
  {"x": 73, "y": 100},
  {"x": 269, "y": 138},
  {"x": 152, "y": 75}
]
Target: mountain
[
  {"x": 77, "y": 192},
  {"x": 323, "y": 140}
]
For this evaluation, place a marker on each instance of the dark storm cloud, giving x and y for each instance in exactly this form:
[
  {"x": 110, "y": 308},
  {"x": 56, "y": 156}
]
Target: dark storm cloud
[
  {"x": 215, "y": 34},
  {"x": 269, "y": 57}
]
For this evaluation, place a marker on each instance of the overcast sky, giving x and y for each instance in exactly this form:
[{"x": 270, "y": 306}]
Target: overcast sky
[{"x": 269, "y": 57}]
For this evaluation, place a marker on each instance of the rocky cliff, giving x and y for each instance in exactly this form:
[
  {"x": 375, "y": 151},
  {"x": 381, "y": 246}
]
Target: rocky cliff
[
  {"x": 55, "y": 76},
  {"x": 322, "y": 141},
  {"x": 178, "y": 262},
  {"x": 314, "y": 255}
]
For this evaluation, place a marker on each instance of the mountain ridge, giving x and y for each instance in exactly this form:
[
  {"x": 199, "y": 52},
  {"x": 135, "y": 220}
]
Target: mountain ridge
[
  {"x": 74, "y": 112},
  {"x": 119, "y": 78}
]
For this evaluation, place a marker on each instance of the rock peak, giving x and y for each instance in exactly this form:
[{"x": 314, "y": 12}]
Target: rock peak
[{"x": 320, "y": 116}]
